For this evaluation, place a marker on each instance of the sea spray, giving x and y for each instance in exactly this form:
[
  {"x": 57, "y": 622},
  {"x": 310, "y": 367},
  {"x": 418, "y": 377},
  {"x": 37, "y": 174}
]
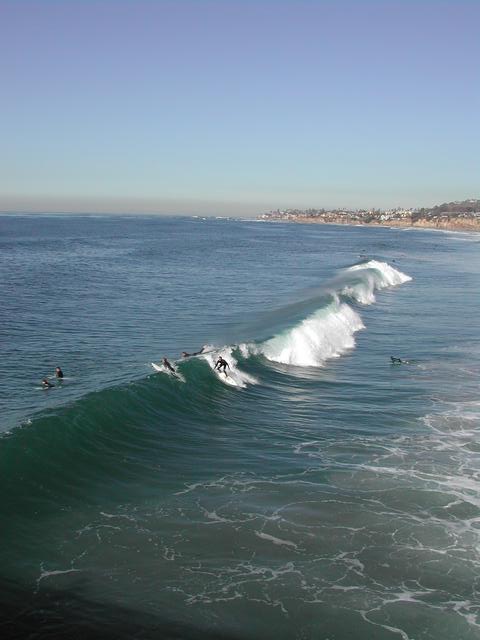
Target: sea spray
[
  {"x": 328, "y": 333},
  {"x": 371, "y": 276}
]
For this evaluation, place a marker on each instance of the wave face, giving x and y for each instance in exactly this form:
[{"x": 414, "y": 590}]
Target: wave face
[{"x": 328, "y": 333}]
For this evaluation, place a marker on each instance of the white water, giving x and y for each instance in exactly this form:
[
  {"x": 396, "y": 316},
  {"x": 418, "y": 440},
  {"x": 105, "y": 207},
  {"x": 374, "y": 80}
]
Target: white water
[
  {"x": 374, "y": 275},
  {"x": 235, "y": 377},
  {"x": 173, "y": 374},
  {"x": 329, "y": 332}
]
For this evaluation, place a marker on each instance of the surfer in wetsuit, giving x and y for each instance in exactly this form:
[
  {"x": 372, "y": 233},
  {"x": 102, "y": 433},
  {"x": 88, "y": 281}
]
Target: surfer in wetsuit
[
  {"x": 189, "y": 355},
  {"x": 58, "y": 372},
  {"x": 167, "y": 365},
  {"x": 221, "y": 364},
  {"x": 397, "y": 360},
  {"x": 46, "y": 384}
]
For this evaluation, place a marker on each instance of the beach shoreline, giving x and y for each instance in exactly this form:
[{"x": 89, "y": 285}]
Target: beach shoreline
[{"x": 440, "y": 225}]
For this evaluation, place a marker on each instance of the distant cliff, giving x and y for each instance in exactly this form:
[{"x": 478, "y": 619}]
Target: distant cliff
[
  {"x": 456, "y": 216},
  {"x": 450, "y": 215}
]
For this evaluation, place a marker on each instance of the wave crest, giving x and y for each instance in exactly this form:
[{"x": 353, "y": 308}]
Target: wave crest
[
  {"x": 371, "y": 276},
  {"x": 329, "y": 332}
]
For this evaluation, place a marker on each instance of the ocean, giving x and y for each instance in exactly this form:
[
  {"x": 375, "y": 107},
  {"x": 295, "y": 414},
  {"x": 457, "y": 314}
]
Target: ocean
[{"x": 316, "y": 492}]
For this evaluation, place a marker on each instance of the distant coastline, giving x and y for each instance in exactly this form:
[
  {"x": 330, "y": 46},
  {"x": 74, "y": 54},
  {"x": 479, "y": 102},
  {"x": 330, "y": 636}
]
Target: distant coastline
[{"x": 452, "y": 216}]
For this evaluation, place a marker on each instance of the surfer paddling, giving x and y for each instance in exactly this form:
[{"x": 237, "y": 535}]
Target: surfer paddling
[
  {"x": 185, "y": 354},
  {"x": 46, "y": 384},
  {"x": 399, "y": 360},
  {"x": 221, "y": 364}
]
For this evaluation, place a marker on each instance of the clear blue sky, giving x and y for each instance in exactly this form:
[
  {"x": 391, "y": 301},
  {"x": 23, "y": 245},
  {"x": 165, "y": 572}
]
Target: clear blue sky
[{"x": 237, "y": 106}]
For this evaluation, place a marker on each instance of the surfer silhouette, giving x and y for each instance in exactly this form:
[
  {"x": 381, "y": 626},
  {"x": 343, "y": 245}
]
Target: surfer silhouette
[
  {"x": 221, "y": 364},
  {"x": 46, "y": 384},
  {"x": 168, "y": 365},
  {"x": 397, "y": 360},
  {"x": 58, "y": 372}
]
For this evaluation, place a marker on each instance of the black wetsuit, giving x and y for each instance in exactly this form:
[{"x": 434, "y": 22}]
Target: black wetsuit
[
  {"x": 222, "y": 364},
  {"x": 189, "y": 355},
  {"x": 167, "y": 364},
  {"x": 59, "y": 373}
]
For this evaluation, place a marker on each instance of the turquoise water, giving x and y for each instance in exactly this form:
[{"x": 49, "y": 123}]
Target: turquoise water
[{"x": 317, "y": 492}]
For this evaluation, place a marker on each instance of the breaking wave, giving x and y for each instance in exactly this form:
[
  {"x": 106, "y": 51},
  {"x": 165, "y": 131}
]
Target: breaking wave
[
  {"x": 329, "y": 331},
  {"x": 324, "y": 327},
  {"x": 371, "y": 276}
]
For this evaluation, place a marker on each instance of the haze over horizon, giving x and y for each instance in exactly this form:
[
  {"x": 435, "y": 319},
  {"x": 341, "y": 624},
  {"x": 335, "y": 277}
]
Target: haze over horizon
[{"x": 235, "y": 108}]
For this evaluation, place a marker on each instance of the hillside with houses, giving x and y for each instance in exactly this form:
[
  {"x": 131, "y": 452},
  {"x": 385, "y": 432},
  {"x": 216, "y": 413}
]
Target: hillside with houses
[{"x": 458, "y": 215}]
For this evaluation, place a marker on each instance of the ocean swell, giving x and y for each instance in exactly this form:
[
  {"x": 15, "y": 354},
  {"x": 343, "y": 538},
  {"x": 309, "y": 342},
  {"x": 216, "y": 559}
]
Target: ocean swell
[{"x": 326, "y": 332}]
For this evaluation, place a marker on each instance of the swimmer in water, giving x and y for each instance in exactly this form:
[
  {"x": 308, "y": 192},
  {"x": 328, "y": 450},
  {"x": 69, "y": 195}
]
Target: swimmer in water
[
  {"x": 58, "y": 372},
  {"x": 46, "y": 384}
]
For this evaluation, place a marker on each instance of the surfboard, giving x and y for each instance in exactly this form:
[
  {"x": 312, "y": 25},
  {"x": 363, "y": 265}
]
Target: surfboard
[
  {"x": 225, "y": 379},
  {"x": 162, "y": 369}
]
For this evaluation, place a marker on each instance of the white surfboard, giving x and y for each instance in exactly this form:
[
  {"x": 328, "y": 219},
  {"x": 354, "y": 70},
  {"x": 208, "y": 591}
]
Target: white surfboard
[
  {"x": 162, "y": 369},
  {"x": 227, "y": 379}
]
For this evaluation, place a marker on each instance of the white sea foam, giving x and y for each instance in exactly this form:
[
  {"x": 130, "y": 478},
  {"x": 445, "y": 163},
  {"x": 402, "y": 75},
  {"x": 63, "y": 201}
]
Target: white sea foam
[
  {"x": 275, "y": 540},
  {"x": 173, "y": 374},
  {"x": 389, "y": 276},
  {"x": 44, "y": 574},
  {"x": 374, "y": 275},
  {"x": 328, "y": 333}
]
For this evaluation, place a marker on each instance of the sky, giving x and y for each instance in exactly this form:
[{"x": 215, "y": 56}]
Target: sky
[{"x": 237, "y": 107}]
